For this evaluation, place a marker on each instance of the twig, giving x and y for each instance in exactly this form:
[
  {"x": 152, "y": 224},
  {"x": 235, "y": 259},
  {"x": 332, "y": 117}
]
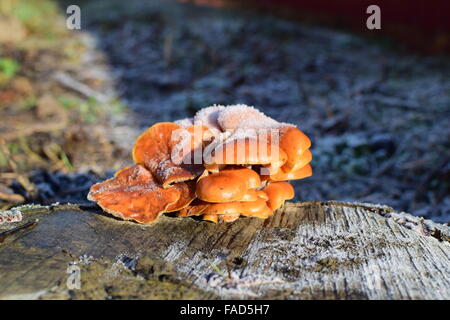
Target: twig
[
  {"x": 25, "y": 226},
  {"x": 8, "y": 175},
  {"x": 73, "y": 84},
  {"x": 23, "y": 131},
  {"x": 11, "y": 197}
]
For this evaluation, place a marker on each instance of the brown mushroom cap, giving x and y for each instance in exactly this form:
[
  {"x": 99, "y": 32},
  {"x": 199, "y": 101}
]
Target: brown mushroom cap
[
  {"x": 152, "y": 149},
  {"x": 278, "y": 193},
  {"x": 133, "y": 195},
  {"x": 227, "y": 185},
  {"x": 294, "y": 142}
]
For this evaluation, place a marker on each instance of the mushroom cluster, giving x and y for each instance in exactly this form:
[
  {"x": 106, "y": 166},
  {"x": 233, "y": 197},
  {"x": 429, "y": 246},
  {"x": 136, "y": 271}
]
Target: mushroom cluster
[{"x": 225, "y": 162}]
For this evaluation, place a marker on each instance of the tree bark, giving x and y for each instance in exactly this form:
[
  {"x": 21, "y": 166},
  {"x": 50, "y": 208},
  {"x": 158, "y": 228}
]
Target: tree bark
[{"x": 313, "y": 250}]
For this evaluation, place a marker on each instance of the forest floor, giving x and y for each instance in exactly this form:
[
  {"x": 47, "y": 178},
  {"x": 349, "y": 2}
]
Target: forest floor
[{"x": 72, "y": 102}]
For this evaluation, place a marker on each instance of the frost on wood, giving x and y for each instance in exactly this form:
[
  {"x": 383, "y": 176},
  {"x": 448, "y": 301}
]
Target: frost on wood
[
  {"x": 10, "y": 216},
  {"x": 316, "y": 250}
]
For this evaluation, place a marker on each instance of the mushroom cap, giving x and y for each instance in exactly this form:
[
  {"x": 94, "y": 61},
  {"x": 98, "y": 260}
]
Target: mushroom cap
[
  {"x": 246, "y": 151},
  {"x": 230, "y": 211},
  {"x": 278, "y": 192},
  {"x": 133, "y": 194},
  {"x": 251, "y": 177},
  {"x": 263, "y": 213},
  {"x": 195, "y": 208},
  {"x": 229, "y": 217},
  {"x": 187, "y": 195},
  {"x": 208, "y": 117},
  {"x": 294, "y": 142},
  {"x": 227, "y": 185},
  {"x": 305, "y": 158},
  {"x": 152, "y": 149},
  {"x": 225, "y": 208},
  {"x": 299, "y": 173},
  {"x": 257, "y": 208},
  {"x": 295, "y": 173},
  {"x": 220, "y": 188},
  {"x": 262, "y": 194},
  {"x": 211, "y": 217},
  {"x": 243, "y": 116},
  {"x": 250, "y": 195},
  {"x": 187, "y": 144}
]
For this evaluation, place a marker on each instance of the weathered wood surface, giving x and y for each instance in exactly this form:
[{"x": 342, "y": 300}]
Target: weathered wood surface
[{"x": 320, "y": 250}]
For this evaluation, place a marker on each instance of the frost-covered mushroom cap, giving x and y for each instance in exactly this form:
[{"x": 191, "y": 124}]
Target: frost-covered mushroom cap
[{"x": 133, "y": 194}]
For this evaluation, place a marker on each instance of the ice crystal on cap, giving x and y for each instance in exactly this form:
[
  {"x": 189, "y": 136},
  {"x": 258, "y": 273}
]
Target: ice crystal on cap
[
  {"x": 244, "y": 117},
  {"x": 208, "y": 117},
  {"x": 185, "y": 123}
]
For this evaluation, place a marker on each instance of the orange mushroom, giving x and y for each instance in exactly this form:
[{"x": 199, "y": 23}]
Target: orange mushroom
[
  {"x": 195, "y": 208},
  {"x": 250, "y": 195},
  {"x": 227, "y": 185},
  {"x": 187, "y": 195},
  {"x": 304, "y": 159},
  {"x": 205, "y": 166},
  {"x": 211, "y": 217},
  {"x": 229, "y": 217},
  {"x": 278, "y": 193},
  {"x": 230, "y": 211},
  {"x": 225, "y": 208},
  {"x": 299, "y": 173},
  {"x": 246, "y": 151},
  {"x": 262, "y": 194},
  {"x": 152, "y": 149},
  {"x": 256, "y": 208},
  {"x": 219, "y": 187},
  {"x": 294, "y": 142},
  {"x": 133, "y": 194}
]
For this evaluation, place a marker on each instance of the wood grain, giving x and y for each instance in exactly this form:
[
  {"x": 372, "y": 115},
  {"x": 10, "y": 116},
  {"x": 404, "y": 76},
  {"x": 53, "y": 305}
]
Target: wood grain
[{"x": 315, "y": 250}]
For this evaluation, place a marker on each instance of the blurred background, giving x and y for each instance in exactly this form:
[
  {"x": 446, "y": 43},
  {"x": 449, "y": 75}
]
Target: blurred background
[{"x": 376, "y": 103}]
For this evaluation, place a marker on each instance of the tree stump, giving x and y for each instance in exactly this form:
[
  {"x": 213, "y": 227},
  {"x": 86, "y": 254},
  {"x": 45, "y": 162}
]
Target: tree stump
[{"x": 313, "y": 250}]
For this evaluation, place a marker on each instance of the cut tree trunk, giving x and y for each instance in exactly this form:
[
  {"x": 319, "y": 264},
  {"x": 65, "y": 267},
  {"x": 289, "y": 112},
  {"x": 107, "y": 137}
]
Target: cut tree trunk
[{"x": 314, "y": 250}]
